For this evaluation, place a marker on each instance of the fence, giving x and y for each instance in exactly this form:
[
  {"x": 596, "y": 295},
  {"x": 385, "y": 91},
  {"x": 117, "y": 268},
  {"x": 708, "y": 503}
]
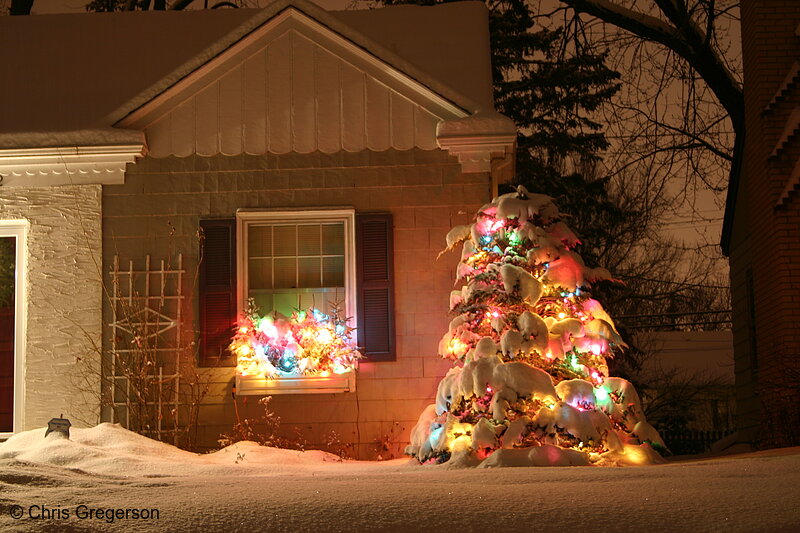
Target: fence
[{"x": 691, "y": 442}]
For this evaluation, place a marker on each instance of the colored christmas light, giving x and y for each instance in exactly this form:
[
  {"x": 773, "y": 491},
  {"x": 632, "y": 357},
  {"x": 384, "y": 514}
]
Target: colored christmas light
[{"x": 307, "y": 343}]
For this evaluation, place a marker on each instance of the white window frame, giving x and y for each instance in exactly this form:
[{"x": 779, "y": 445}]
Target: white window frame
[
  {"x": 247, "y": 217},
  {"x": 19, "y": 230}
]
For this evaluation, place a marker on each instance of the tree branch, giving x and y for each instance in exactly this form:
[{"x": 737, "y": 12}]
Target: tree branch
[
  {"x": 684, "y": 37},
  {"x": 20, "y": 7}
]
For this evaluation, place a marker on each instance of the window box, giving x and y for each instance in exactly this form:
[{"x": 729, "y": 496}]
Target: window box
[{"x": 254, "y": 385}]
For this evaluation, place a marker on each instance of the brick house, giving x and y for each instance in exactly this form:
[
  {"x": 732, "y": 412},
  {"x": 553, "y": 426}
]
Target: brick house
[
  {"x": 761, "y": 232},
  {"x": 350, "y": 141}
]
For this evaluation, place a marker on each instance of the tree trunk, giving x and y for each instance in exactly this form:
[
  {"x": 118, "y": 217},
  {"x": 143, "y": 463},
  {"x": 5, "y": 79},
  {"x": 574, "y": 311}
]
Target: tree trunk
[{"x": 20, "y": 7}]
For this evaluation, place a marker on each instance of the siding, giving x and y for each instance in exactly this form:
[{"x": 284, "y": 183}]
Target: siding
[
  {"x": 426, "y": 193},
  {"x": 293, "y": 96}
]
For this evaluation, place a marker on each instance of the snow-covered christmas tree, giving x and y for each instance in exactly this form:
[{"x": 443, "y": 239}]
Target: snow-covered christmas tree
[{"x": 531, "y": 385}]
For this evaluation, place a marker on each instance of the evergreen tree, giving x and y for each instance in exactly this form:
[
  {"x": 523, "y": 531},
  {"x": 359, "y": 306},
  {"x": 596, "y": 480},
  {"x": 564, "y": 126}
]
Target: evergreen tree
[
  {"x": 534, "y": 386},
  {"x": 549, "y": 82}
]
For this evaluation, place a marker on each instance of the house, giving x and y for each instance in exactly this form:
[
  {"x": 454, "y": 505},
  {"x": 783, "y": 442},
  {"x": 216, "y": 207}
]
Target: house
[
  {"x": 687, "y": 386},
  {"x": 761, "y": 232},
  {"x": 161, "y": 168}
]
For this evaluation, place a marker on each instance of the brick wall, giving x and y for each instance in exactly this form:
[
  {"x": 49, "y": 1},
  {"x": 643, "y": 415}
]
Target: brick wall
[
  {"x": 770, "y": 244},
  {"x": 426, "y": 193}
]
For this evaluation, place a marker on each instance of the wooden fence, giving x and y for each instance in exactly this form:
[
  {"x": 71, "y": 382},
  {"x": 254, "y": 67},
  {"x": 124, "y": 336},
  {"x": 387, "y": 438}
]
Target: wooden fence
[{"x": 690, "y": 442}]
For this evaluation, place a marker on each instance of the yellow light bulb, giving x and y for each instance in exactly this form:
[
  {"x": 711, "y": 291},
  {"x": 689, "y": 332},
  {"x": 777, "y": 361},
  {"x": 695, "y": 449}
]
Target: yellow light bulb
[{"x": 324, "y": 336}]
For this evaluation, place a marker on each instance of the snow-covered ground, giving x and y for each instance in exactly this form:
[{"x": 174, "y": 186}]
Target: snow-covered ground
[{"x": 251, "y": 488}]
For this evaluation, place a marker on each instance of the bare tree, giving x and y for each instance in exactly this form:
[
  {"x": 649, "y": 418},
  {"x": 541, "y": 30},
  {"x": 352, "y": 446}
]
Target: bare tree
[
  {"x": 20, "y": 7},
  {"x": 689, "y": 30},
  {"x": 681, "y": 112}
]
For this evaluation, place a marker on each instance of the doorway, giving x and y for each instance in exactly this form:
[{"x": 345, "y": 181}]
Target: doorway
[{"x": 12, "y": 243}]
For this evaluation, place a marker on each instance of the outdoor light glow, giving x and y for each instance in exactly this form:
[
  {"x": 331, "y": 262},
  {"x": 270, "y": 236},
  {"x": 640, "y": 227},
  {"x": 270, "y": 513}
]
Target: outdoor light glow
[
  {"x": 324, "y": 336},
  {"x": 458, "y": 436},
  {"x": 308, "y": 343},
  {"x": 457, "y": 347},
  {"x": 267, "y": 327},
  {"x": 601, "y": 394}
]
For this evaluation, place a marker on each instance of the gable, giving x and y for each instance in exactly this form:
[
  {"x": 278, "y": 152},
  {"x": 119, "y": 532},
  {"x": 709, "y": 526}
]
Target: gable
[{"x": 292, "y": 85}]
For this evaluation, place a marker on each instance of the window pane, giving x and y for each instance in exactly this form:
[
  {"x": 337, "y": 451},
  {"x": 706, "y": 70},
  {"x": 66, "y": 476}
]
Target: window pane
[
  {"x": 260, "y": 273},
  {"x": 259, "y": 241},
  {"x": 7, "y": 327},
  {"x": 263, "y": 300},
  {"x": 333, "y": 271},
  {"x": 333, "y": 239},
  {"x": 285, "y": 273},
  {"x": 313, "y": 299},
  {"x": 308, "y": 240},
  {"x": 285, "y": 238},
  {"x": 286, "y": 302},
  {"x": 310, "y": 272}
]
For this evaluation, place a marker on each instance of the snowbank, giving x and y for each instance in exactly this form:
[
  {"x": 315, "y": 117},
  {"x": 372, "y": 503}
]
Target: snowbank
[
  {"x": 247, "y": 488},
  {"x": 111, "y": 449}
]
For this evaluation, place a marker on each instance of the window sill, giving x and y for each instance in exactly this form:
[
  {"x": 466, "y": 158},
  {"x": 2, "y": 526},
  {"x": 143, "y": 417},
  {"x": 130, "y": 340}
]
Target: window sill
[{"x": 258, "y": 386}]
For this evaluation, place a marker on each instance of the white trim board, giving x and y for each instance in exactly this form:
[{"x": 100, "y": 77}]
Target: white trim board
[
  {"x": 66, "y": 165},
  {"x": 19, "y": 230}
]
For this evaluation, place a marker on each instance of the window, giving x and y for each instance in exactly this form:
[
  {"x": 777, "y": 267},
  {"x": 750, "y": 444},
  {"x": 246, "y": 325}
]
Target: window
[
  {"x": 296, "y": 260},
  {"x": 12, "y": 324},
  {"x": 292, "y": 260}
]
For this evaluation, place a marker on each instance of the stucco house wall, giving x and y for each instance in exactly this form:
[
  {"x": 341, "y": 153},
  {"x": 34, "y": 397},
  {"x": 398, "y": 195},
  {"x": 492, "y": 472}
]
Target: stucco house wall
[{"x": 63, "y": 299}]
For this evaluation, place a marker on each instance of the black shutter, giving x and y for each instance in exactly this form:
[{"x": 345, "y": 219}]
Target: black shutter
[
  {"x": 375, "y": 272},
  {"x": 217, "y": 291}
]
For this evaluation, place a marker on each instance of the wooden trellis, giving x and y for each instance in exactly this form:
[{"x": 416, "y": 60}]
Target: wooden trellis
[{"x": 146, "y": 346}]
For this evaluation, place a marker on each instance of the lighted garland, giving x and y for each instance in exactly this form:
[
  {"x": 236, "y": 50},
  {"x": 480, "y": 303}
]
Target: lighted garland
[{"x": 310, "y": 343}]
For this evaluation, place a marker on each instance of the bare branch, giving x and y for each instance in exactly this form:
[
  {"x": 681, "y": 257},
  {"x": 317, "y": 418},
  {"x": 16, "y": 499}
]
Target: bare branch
[{"x": 684, "y": 37}]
